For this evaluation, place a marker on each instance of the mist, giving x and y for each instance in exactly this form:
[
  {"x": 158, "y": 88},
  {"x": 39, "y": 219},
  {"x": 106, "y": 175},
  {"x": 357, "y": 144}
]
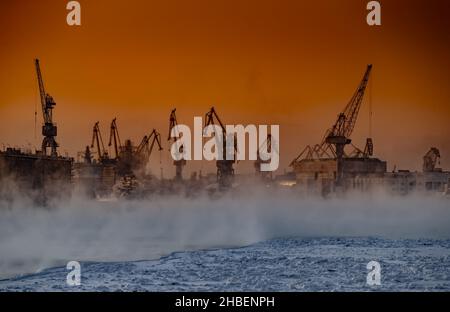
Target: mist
[{"x": 33, "y": 238}]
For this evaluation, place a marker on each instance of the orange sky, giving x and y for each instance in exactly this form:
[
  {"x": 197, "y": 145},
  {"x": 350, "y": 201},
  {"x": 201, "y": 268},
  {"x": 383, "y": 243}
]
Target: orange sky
[{"x": 293, "y": 63}]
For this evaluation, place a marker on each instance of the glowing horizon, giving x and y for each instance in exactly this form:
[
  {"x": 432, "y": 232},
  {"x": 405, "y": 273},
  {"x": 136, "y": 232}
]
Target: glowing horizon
[{"x": 259, "y": 62}]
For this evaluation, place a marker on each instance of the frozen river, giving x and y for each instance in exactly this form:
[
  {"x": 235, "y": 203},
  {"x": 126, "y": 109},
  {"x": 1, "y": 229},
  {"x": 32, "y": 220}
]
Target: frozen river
[{"x": 291, "y": 264}]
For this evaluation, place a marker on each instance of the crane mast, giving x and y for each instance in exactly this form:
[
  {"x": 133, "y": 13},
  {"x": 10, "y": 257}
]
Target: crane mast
[
  {"x": 49, "y": 129},
  {"x": 97, "y": 140},
  {"x": 179, "y": 164},
  {"x": 114, "y": 137}
]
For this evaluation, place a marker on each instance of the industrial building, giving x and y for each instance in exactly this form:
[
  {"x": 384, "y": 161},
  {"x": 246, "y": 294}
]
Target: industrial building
[
  {"x": 328, "y": 167},
  {"x": 44, "y": 173},
  {"x": 333, "y": 166}
]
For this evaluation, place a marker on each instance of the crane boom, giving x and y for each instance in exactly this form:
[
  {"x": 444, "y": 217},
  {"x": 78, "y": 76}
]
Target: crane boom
[
  {"x": 145, "y": 148},
  {"x": 97, "y": 140},
  {"x": 339, "y": 134},
  {"x": 156, "y": 139},
  {"x": 45, "y": 109},
  {"x": 347, "y": 119},
  {"x": 209, "y": 120},
  {"x": 114, "y": 135}
]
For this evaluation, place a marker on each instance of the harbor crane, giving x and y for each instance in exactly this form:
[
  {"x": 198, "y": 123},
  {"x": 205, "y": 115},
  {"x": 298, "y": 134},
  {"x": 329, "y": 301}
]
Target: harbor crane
[
  {"x": 179, "y": 164},
  {"x": 225, "y": 171},
  {"x": 431, "y": 159},
  {"x": 145, "y": 148},
  {"x": 339, "y": 134},
  {"x": 49, "y": 129},
  {"x": 97, "y": 141},
  {"x": 115, "y": 138}
]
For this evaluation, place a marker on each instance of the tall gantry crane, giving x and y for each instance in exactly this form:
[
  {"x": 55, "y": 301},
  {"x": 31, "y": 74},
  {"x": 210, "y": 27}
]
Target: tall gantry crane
[
  {"x": 115, "y": 138},
  {"x": 339, "y": 134},
  {"x": 145, "y": 148},
  {"x": 179, "y": 164},
  {"x": 49, "y": 129},
  {"x": 98, "y": 141},
  {"x": 225, "y": 171}
]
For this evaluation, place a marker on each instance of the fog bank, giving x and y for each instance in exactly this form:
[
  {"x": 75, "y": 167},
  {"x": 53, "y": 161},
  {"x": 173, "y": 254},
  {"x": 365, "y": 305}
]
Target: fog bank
[{"x": 32, "y": 238}]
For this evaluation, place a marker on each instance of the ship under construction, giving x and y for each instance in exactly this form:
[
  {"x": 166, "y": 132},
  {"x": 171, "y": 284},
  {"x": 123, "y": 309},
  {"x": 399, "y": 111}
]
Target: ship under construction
[{"x": 333, "y": 166}]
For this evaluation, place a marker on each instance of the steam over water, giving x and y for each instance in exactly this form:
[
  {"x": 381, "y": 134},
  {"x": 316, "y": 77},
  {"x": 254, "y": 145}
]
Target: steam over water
[{"x": 33, "y": 238}]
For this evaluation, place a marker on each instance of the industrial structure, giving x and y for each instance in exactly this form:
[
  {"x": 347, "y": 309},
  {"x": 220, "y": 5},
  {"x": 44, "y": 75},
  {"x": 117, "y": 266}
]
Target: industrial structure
[
  {"x": 431, "y": 179},
  {"x": 225, "y": 170},
  {"x": 43, "y": 172},
  {"x": 179, "y": 164},
  {"x": 333, "y": 166},
  {"x": 115, "y": 137},
  {"x": 97, "y": 141},
  {"x": 95, "y": 175},
  {"x": 328, "y": 168},
  {"x": 145, "y": 148},
  {"x": 49, "y": 129},
  {"x": 125, "y": 170}
]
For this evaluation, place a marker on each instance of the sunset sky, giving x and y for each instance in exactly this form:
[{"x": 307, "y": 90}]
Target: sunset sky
[{"x": 293, "y": 63}]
